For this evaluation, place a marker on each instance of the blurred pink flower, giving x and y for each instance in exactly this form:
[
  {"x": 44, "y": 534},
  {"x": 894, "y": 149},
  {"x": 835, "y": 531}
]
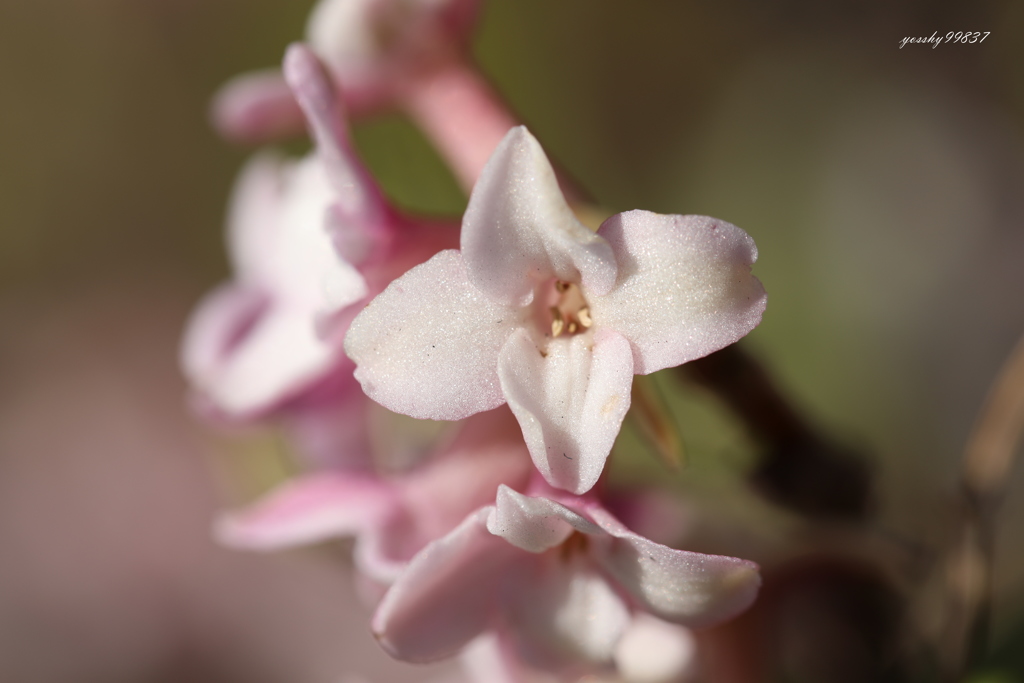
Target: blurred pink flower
[
  {"x": 558, "y": 578},
  {"x": 374, "y": 50},
  {"x": 391, "y": 517},
  {"x": 539, "y": 312},
  {"x": 309, "y": 240}
]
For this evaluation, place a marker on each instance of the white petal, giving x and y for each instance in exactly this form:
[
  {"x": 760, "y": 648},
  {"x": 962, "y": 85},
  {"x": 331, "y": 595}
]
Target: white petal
[
  {"x": 570, "y": 403},
  {"x": 568, "y": 609},
  {"x": 518, "y": 229},
  {"x": 254, "y": 216},
  {"x": 684, "y": 287},
  {"x": 447, "y": 595},
  {"x": 486, "y": 660},
  {"x": 684, "y": 587},
  {"x": 534, "y": 524},
  {"x": 342, "y": 31},
  {"x": 428, "y": 345},
  {"x": 217, "y": 325},
  {"x": 278, "y": 357},
  {"x": 655, "y": 651},
  {"x": 304, "y": 268},
  {"x": 353, "y": 188}
]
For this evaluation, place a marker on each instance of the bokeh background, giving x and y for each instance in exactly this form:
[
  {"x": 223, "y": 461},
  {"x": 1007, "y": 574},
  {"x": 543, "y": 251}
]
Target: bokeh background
[{"x": 883, "y": 187}]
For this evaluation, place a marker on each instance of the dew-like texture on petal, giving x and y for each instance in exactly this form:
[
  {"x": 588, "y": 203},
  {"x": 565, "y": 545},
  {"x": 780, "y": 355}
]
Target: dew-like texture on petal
[
  {"x": 518, "y": 229},
  {"x": 684, "y": 587},
  {"x": 534, "y": 524},
  {"x": 568, "y": 611},
  {"x": 655, "y": 651},
  {"x": 684, "y": 287},
  {"x": 354, "y": 190},
  {"x": 428, "y": 345},
  {"x": 306, "y": 510},
  {"x": 569, "y": 402},
  {"x": 447, "y": 595}
]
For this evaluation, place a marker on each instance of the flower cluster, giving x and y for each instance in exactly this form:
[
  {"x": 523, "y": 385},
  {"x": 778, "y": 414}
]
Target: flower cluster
[{"x": 498, "y": 537}]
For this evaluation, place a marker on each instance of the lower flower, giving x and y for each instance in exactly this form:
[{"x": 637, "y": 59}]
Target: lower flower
[{"x": 559, "y": 578}]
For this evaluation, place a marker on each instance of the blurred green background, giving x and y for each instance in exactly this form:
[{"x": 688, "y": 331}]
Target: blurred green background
[{"x": 883, "y": 187}]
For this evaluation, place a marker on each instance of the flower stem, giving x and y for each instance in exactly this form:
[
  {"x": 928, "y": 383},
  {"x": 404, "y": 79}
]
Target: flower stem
[{"x": 801, "y": 468}]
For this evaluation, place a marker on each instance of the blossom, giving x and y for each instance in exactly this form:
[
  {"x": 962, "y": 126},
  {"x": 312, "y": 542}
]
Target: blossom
[
  {"x": 559, "y": 578},
  {"x": 373, "y": 49},
  {"x": 391, "y": 517},
  {"x": 308, "y": 240},
  {"x": 540, "y": 312}
]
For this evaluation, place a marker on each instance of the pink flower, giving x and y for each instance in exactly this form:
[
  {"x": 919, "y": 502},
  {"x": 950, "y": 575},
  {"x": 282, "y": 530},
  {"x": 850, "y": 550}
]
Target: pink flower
[
  {"x": 539, "y": 312},
  {"x": 308, "y": 241},
  {"x": 559, "y": 578},
  {"x": 373, "y": 49},
  {"x": 392, "y": 518},
  {"x": 375, "y": 46}
]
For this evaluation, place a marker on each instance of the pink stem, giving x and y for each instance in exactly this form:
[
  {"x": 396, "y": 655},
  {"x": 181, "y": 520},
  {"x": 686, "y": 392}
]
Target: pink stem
[{"x": 461, "y": 114}]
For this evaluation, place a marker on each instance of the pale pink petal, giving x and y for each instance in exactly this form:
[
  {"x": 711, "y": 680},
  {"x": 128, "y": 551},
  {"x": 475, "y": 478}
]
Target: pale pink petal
[
  {"x": 374, "y": 46},
  {"x": 564, "y": 612},
  {"x": 518, "y": 229},
  {"x": 383, "y": 552},
  {"x": 343, "y": 32},
  {"x": 534, "y": 524},
  {"x": 655, "y": 651},
  {"x": 254, "y": 216},
  {"x": 428, "y": 345},
  {"x": 684, "y": 587},
  {"x": 256, "y": 107},
  {"x": 278, "y": 356},
  {"x": 220, "y": 322},
  {"x": 355, "y": 192},
  {"x": 307, "y": 510},
  {"x": 570, "y": 400},
  {"x": 448, "y": 594},
  {"x": 684, "y": 287},
  {"x": 303, "y": 269},
  {"x": 487, "y": 660},
  {"x": 278, "y": 239}
]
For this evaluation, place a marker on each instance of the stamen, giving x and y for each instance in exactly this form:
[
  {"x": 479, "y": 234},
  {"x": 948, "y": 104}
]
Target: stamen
[
  {"x": 583, "y": 315},
  {"x": 571, "y": 315},
  {"x": 557, "y": 322}
]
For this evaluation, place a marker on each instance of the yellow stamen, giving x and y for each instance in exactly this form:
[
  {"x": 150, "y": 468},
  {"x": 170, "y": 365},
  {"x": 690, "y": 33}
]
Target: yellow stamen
[
  {"x": 583, "y": 315},
  {"x": 557, "y": 322}
]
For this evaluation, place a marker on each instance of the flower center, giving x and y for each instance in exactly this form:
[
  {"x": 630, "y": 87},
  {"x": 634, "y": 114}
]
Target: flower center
[
  {"x": 571, "y": 313},
  {"x": 574, "y": 546}
]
